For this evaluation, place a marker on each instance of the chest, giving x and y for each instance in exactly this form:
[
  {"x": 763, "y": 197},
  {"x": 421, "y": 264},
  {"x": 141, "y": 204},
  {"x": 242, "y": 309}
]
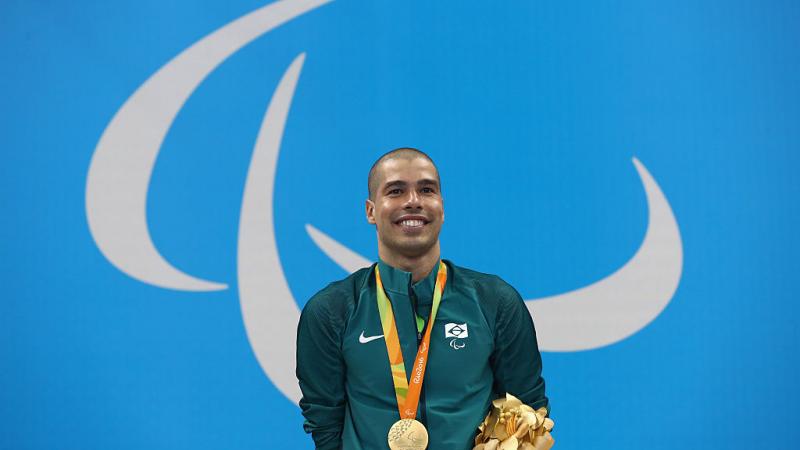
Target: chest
[{"x": 460, "y": 346}]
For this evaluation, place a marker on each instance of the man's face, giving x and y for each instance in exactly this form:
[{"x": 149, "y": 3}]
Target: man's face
[{"x": 407, "y": 207}]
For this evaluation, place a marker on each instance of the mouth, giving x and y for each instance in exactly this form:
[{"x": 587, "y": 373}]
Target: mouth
[{"x": 412, "y": 223}]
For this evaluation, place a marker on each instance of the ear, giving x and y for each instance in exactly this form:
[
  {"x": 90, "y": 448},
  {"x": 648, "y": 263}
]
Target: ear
[{"x": 370, "y": 210}]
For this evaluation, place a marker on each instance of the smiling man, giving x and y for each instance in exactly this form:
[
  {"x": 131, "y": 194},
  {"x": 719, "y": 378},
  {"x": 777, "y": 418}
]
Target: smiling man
[{"x": 412, "y": 350}]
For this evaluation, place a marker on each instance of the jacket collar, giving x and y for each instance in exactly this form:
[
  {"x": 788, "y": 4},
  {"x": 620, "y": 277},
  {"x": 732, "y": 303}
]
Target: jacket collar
[{"x": 398, "y": 281}]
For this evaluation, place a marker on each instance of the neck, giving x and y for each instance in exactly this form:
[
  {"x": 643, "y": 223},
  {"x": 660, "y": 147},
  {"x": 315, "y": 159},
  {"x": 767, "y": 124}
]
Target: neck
[{"x": 419, "y": 266}]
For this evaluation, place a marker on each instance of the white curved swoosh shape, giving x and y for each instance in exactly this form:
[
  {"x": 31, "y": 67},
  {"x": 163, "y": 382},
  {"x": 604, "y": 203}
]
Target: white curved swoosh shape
[
  {"x": 623, "y": 303},
  {"x": 604, "y": 312},
  {"x": 119, "y": 173},
  {"x": 365, "y": 340},
  {"x": 347, "y": 259},
  {"x": 268, "y": 308}
]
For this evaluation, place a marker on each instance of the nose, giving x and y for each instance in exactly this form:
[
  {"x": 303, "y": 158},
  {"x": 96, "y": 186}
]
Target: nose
[{"x": 413, "y": 200}]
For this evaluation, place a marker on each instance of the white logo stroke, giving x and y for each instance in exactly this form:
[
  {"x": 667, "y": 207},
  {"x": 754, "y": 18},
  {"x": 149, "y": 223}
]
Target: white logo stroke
[
  {"x": 457, "y": 344},
  {"x": 122, "y": 163},
  {"x": 364, "y": 339},
  {"x": 118, "y": 180}
]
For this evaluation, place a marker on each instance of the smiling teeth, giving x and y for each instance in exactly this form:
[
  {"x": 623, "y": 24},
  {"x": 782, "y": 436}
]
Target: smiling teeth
[{"x": 411, "y": 223}]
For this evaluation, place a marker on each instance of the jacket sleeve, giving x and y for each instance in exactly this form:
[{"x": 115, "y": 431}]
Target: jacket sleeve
[
  {"x": 321, "y": 372},
  {"x": 516, "y": 361}
]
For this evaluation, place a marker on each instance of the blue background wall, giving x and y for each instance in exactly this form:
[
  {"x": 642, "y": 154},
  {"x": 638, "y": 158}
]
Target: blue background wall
[{"x": 532, "y": 110}]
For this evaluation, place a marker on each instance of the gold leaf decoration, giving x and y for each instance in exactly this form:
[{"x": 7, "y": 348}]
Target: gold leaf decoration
[{"x": 512, "y": 425}]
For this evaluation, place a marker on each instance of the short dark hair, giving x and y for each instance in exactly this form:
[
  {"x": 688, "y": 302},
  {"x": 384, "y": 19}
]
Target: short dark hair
[{"x": 398, "y": 153}]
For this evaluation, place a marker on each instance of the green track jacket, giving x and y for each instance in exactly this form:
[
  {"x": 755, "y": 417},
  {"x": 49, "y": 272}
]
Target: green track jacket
[{"x": 483, "y": 345}]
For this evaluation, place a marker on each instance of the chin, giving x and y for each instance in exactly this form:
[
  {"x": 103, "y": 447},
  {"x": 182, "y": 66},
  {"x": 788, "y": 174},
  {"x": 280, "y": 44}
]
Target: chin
[{"x": 414, "y": 249}]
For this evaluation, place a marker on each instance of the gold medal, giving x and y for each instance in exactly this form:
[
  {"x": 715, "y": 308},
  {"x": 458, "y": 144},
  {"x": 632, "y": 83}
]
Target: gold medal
[{"x": 408, "y": 434}]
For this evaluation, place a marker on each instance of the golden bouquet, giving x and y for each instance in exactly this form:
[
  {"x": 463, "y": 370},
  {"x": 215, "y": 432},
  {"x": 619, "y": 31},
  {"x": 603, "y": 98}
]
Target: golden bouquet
[{"x": 512, "y": 425}]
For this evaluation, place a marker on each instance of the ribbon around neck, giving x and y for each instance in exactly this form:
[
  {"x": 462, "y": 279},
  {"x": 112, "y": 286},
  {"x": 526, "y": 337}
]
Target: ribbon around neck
[{"x": 407, "y": 390}]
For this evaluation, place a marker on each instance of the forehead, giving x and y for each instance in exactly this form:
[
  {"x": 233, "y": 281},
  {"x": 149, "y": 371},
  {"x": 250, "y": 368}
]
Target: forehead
[{"x": 406, "y": 169}]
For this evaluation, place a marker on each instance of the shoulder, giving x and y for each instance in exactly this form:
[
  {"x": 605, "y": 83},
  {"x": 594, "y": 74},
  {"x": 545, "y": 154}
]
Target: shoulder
[
  {"x": 338, "y": 297},
  {"x": 489, "y": 287}
]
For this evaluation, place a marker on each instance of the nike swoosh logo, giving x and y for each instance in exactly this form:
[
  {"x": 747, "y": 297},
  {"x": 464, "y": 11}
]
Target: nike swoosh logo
[{"x": 363, "y": 339}]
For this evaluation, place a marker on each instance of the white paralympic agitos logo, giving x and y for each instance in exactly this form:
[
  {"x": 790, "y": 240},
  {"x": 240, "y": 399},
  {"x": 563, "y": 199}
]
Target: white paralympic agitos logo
[{"x": 593, "y": 316}]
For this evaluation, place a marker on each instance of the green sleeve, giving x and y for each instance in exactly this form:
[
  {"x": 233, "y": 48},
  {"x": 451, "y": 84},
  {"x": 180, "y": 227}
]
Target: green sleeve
[
  {"x": 516, "y": 361},
  {"x": 321, "y": 371}
]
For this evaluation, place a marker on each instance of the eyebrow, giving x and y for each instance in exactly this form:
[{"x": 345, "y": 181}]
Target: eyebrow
[
  {"x": 401, "y": 183},
  {"x": 396, "y": 183},
  {"x": 427, "y": 181}
]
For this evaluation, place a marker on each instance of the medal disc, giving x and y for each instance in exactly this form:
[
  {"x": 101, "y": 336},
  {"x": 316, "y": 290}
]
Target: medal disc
[{"x": 408, "y": 434}]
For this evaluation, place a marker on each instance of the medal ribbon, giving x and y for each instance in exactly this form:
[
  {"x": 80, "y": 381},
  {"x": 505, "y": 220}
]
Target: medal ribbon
[{"x": 408, "y": 396}]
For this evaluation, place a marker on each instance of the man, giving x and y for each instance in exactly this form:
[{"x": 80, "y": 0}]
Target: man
[{"x": 482, "y": 343}]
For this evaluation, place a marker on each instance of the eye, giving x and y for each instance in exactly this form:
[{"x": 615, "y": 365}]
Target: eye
[
  {"x": 428, "y": 190},
  {"x": 395, "y": 191}
]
